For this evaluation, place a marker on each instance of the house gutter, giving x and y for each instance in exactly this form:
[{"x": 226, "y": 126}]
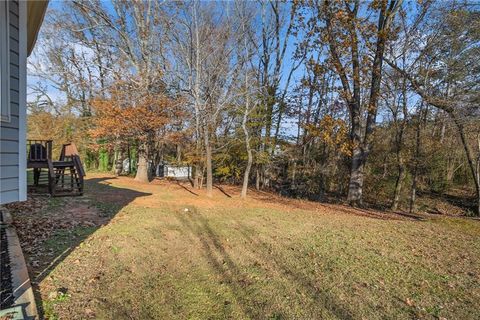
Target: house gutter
[{"x": 35, "y": 13}]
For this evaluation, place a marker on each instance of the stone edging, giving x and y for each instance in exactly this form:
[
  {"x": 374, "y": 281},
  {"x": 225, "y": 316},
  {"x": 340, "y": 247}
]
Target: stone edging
[{"x": 22, "y": 288}]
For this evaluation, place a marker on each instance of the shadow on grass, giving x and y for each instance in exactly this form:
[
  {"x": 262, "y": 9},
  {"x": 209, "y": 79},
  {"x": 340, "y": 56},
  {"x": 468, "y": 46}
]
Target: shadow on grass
[
  {"x": 49, "y": 236},
  {"x": 320, "y": 295},
  {"x": 219, "y": 258},
  {"x": 222, "y": 190},
  {"x": 239, "y": 281},
  {"x": 185, "y": 188},
  {"x": 367, "y": 212}
]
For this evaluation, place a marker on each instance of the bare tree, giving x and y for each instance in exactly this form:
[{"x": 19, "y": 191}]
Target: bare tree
[
  {"x": 443, "y": 73},
  {"x": 247, "y": 38},
  {"x": 207, "y": 58}
]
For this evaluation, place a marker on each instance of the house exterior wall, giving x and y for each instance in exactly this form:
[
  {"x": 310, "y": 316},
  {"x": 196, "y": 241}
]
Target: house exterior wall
[{"x": 12, "y": 128}]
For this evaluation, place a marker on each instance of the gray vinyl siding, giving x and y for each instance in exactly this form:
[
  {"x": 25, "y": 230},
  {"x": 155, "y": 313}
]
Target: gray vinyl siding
[{"x": 9, "y": 131}]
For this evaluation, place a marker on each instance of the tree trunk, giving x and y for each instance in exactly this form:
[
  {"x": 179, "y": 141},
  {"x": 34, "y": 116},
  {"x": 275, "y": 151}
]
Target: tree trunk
[
  {"x": 142, "y": 168},
  {"x": 202, "y": 178},
  {"x": 110, "y": 162},
  {"x": 208, "y": 154},
  {"x": 179, "y": 153},
  {"x": 478, "y": 202},
  {"x": 257, "y": 178},
  {"x": 361, "y": 138},
  {"x": 413, "y": 192},
  {"x": 398, "y": 185},
  {"x": 115, "y": 157},
  {"x": 399, "y": 145},
  {"x": 119, "y": 162},
  {"x": 196, "y": 180},
  {"x": 129, "y": 154},
  {"x": 246, "y": 175},
  {"x": 418, "y": 141},
  {"x": 355, "y": 186},
  {"x": 471, "y": 163},
  {"x": 478, "y": 176}
]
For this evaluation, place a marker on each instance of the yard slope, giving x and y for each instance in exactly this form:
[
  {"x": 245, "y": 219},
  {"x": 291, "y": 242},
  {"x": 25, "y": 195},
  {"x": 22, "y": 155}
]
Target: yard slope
[{"x": 164, "y": 251}]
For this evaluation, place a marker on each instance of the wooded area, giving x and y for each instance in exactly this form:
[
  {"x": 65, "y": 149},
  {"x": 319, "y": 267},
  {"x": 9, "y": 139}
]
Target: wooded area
[{"x": 375, "y": 103}]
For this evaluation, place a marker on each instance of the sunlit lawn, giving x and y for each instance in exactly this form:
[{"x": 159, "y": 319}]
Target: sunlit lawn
[{"x": 167, "y": 253}]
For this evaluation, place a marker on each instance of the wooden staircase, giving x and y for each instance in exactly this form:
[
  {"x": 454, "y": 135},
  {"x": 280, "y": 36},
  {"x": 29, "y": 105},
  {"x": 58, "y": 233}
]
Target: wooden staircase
[{"x": 68, "y": 178}]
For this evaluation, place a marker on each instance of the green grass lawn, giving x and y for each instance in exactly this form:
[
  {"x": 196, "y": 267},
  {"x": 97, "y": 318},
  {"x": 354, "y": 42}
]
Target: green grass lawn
[{"x": 166, "y": 253}]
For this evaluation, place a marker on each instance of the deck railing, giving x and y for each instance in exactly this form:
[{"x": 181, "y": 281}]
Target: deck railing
[{"x": 39, "y": 150}]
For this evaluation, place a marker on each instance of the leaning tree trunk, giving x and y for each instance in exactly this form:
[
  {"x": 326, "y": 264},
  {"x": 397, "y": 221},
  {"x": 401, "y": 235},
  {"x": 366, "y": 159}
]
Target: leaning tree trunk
[
  {"x": 142, "y": 168},
  {"x": 478, "y": 176},
  {"x": 246, "y": 175},
  {"x": 398, "y": 184},
  {"x": 471, "y": 162}
]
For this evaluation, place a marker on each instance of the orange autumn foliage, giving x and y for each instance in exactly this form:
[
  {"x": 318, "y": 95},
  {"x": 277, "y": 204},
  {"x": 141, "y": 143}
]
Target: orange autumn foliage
[{"x": 117, "y": 122}]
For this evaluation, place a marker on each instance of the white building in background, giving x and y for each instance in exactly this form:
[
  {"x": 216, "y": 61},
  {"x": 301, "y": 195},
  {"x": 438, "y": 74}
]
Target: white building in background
[{"x": 171, "y": 171}]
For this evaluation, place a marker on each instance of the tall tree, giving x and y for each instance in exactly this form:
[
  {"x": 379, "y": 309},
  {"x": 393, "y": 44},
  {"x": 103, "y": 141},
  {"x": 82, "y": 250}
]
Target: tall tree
[
  {"x": 133, "y": 31},
  {"x": 345, "y": 23}
]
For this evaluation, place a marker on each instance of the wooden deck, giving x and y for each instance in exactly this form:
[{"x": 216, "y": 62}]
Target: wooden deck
[{"x": 62, "y": 177}]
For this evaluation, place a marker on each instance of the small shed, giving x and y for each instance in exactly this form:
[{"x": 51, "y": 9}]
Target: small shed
[{"x": 174, "y": 171}]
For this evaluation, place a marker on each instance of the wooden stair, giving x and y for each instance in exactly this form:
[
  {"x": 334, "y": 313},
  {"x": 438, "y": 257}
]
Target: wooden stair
[{"x": 68, "y": 177}]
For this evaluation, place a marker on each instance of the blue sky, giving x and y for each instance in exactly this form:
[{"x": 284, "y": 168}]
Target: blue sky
[{"x": 288, "y": 128}]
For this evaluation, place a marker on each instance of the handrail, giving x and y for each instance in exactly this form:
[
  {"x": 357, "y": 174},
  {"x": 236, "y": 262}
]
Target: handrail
[{"x": 39, "y": 150}]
